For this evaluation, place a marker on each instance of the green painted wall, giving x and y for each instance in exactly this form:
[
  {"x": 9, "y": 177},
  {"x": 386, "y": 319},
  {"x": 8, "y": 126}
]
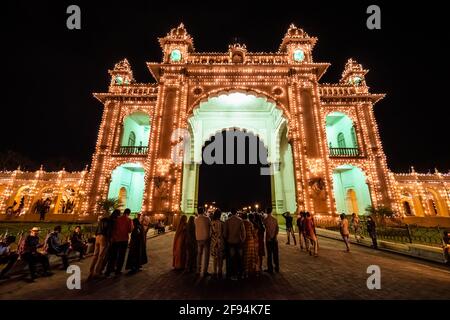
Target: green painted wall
[
  {"x": 189, "y": 194},
  {"x": 284, "y": 179},
  {"x": 338, "y": 122},
  {"x": 131, "y": 177},
  {"x": 142, "y": 131},
  {"x": 349, "y": 177}
]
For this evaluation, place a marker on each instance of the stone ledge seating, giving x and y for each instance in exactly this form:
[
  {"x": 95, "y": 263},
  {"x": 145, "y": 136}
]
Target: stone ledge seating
[{"x": 21, "y": 267}]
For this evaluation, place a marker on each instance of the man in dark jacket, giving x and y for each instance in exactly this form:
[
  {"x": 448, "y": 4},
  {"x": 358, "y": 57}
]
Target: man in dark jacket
[
  {"x": 300, "y": 228},
  {"x": 54, "y": 246},
  {"x": 32, "y": 256},
  {"x": 234, "y": 236},
  {"x": 77, "y": 243},
  {"x": 289, "y": 227}
]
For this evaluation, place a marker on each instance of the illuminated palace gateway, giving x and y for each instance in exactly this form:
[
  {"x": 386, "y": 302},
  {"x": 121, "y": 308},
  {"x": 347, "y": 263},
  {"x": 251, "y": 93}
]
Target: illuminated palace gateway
[{"x": 323, "y": 138}]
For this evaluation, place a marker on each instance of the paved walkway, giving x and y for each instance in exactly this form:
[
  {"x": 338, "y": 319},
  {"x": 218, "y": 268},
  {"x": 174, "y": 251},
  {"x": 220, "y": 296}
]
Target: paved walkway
[{"x": 335, "y": 274}]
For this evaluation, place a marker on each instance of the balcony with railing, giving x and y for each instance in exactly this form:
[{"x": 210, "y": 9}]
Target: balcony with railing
[
  {"x": 345, "y": 152},
  {"x": 132, "y": 150}
]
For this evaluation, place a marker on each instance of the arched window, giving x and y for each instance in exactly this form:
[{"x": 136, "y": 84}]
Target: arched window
[
  {"x": 432, "y": 206},
  {"x": 354, "y": 139},
  {"x": 407, "y": 208},
  {"x": 131, "y": 139},
  {"x": 341, "y": 140}
]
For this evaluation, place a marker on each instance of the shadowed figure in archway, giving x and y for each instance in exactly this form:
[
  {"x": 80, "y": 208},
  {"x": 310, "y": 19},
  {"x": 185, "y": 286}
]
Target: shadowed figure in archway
[
  {"x": 217, "y": 243},
  {"x": 271, "y": 225},
  {"x": 234, "y": 235}
]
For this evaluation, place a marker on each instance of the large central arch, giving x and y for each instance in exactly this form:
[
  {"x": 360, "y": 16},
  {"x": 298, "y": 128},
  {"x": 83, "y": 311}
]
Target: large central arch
[{"x": 250, "y": 112}]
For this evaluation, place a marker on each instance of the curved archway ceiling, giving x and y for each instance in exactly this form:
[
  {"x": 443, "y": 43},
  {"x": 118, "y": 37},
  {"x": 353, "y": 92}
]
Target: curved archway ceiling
[
  {"x": 256, "y": 115},
  {"x": 237, "y": 110}
]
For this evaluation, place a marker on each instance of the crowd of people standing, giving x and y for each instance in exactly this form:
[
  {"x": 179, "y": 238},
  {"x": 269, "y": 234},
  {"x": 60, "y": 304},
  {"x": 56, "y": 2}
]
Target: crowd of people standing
[
  {"x": 237, "y": 242},
  {"x": 241, "y": 240},
  {"x": 114, "y": 235}
]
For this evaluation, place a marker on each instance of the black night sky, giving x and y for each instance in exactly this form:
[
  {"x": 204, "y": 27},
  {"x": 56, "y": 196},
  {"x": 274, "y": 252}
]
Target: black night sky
[{"x": 49, "y": 115}]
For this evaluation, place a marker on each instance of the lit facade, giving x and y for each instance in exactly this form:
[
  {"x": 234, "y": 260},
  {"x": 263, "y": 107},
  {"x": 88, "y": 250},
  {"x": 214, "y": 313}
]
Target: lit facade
[
  {"x": 322, "y": 139},
  {"x": 21, "y": 192}
]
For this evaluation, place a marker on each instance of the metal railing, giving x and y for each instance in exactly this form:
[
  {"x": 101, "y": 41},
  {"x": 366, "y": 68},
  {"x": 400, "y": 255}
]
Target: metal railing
[
  {"x": 133, "y": 150},
  {"x": 344, "y": 152},
  {"x": 403, "y": 233}
]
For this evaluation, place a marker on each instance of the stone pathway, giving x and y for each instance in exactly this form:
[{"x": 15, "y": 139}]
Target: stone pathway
[{"x": 335, "y": 274}]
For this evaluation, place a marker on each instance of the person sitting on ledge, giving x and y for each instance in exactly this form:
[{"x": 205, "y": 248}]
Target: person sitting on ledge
[
  {"x": 77, "y": 243},
  {"x": 7, "y": 256},
  {"x": 54, "y": 246},
  {"x": 30, "y": 253},
  {"x": 160, "y": 227}
]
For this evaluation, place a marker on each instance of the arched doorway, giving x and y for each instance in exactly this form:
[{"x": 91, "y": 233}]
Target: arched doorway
[
  {"x": 19, "y": 201},
  {"x": 231, "y": 178},
  {"x": 127, "y": 185},
  {"x": 352, "y": 201},
  {"x": 45, "y": 200},
  {"x": 407, "y": 208},
  {"x": 436, "y": 207},
  {"x": 252, "y": 114},
  {"x": 350, "y": 190},
  {"x": 122, "y": 197},
  {"x": 67, "y": 201}
]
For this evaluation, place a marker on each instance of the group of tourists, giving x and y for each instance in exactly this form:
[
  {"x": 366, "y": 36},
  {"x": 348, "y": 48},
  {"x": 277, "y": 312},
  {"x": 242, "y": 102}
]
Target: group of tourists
[
  {"x": 240, "y": 242},
  {"x": 306, "y": 232},
  {"x": 35, "y": 253},
  {"x": 236, "y": 242},
  {"x": 114, "y": 235},
  {"x": 344, "y": 228}
]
